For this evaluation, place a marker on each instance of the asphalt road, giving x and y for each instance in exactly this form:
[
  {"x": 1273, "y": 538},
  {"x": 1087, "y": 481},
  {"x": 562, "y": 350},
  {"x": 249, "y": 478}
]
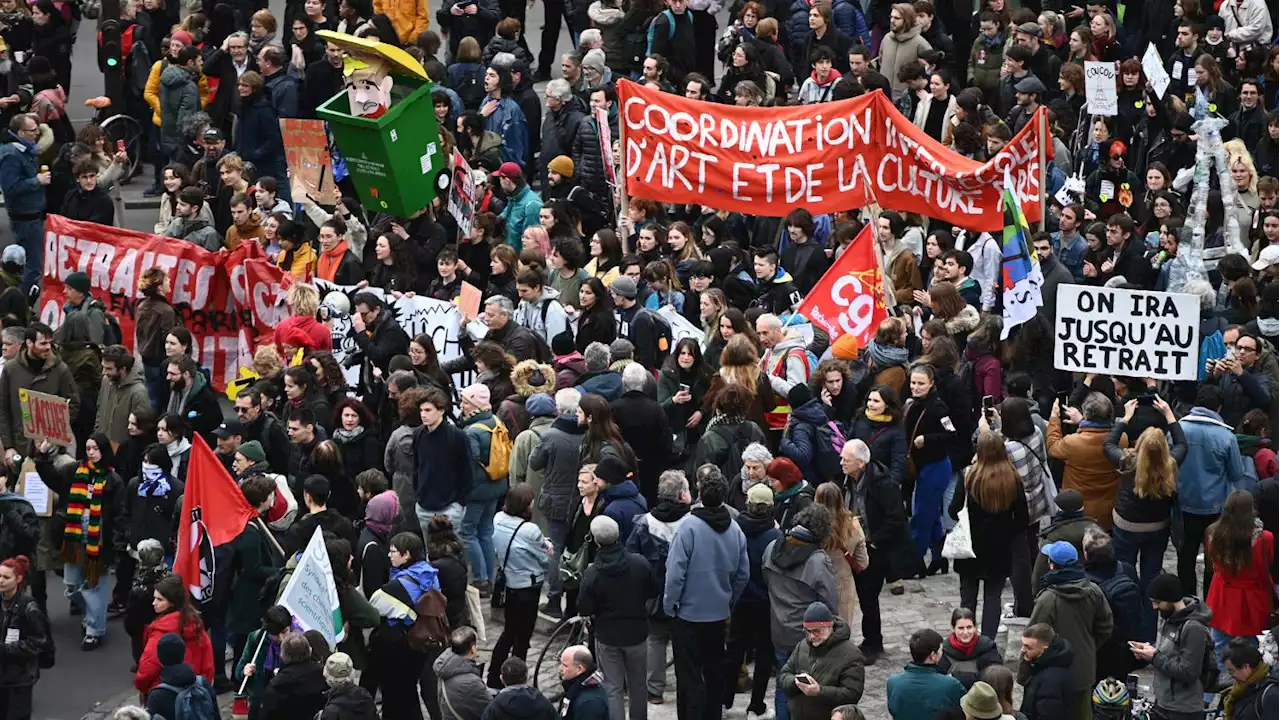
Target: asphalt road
[{"x": 81, "y": 681}]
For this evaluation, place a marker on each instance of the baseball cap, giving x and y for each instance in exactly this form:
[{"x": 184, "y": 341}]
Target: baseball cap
[
  {"x": 213, "y": 134},
  {"x": 228, "y": 428},
  {"x": 1060, "y": 552},
  {"x": 508, "y": 170},
  {"x": 1269, "y": 256}
]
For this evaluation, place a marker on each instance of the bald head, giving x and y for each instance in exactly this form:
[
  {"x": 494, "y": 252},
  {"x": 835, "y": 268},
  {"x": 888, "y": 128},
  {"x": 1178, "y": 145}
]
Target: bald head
[{"x": 574, "y": 661}]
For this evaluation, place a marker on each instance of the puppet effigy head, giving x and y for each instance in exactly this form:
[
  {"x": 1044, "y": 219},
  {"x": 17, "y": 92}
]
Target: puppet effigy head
[{"x": 368, "y": 84}]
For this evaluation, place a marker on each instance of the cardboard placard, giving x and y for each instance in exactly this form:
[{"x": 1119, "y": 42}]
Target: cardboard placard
[
  {"x": 46, "y": 417},
  {"x": 1136, "y": 333},
  {"x": 1100, "y": 87},
  {"x": 469, "y": 301}
]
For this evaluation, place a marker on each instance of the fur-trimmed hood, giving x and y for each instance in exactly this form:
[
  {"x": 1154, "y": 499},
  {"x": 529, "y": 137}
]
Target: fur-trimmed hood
[{"x": 524, "y": 374}]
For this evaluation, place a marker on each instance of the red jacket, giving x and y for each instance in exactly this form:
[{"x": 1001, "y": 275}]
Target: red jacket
[
  {"x": 1241, "y": 603},
  {"x": 199, "y": 651}
]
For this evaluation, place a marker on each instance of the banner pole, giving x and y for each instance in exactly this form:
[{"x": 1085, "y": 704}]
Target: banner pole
[
  {"x": 261, "y": 641},
  {"x": 620, "y": 173},
  {"x": 1042, "y": 130}
]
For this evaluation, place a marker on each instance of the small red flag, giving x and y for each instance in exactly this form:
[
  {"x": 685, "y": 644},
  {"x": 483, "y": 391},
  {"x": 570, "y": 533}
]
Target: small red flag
[
  {"x": 214, "y": 512},
  {"x": 849, "y": 299}
]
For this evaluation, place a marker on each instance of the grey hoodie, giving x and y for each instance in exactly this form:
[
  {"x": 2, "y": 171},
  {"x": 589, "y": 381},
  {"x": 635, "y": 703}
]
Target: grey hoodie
[
  {"x": 196, "y": 231},
  {"x": 529, "y": 314},
  {"x": 1183, "y": 648}
]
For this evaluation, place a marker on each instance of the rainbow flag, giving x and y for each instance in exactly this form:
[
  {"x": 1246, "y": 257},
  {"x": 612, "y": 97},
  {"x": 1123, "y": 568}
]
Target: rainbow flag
[{"x": 1020, "y": 276}]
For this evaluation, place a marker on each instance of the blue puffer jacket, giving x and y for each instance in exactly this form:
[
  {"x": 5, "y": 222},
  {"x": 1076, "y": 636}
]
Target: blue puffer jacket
[
  {"x": 623, "y": 502},
  {"x": 18, "y": 168},
  {"x": 797, "y": 31},
  {"x": 481, "y": 441},
  {"x": 800, "y": 441},
  {"x": 848, "y": 18},
  {"x": 1212, "y": 468}
]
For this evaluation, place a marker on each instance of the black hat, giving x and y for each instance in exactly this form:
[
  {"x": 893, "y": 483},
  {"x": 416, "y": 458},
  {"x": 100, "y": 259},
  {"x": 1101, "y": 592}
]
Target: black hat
[
  {"x": 228, "y": 428},
  {"x": 212, "y": 135},
  {"x": 1165, "y": 588},
  {"x": 1069, "y": 501}
]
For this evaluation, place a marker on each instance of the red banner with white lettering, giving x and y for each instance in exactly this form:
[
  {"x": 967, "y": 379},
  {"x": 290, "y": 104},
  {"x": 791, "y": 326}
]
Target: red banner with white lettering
[
  {"x": 850, "y": 296},
  {"x": 228, "y": 299},
  {"x": 824, "y": 158}
]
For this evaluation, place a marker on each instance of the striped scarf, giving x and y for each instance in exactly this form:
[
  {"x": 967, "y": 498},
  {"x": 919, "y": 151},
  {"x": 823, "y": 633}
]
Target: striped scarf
[{"x": 82, "y": 535}]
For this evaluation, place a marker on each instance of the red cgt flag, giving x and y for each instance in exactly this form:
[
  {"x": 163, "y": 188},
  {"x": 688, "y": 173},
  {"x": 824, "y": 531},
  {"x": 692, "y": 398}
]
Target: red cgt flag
[
  {"x": 214, "y": 513},
  {"x": 849, "y": 299}
]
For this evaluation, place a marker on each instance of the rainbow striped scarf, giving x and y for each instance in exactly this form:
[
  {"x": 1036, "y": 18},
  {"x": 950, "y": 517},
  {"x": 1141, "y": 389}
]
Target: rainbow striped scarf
[{"x": 82, "y": 535}]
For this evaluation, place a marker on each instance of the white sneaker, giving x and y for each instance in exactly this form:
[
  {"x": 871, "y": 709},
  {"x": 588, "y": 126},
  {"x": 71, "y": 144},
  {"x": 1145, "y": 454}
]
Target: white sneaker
[
  {"x": 768, "y": 715},
  {"x": 735, "y": 712}
]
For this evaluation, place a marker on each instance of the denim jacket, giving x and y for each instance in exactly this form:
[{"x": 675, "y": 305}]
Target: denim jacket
[
  {"x": 526, "y": 565},
  {"x": 1071, "y": 256}
]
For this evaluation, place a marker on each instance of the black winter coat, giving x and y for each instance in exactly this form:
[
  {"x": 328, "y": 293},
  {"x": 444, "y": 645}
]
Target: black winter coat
[
  {"x": 297, "y": 692},
  {"x": 990, "y": 532},
  {"x": 349, "y": 702},
  {"x": 153, "y": 517},
  {"x": 19, "y": 527},
  {"x": 94, "y": 206},
  {"x": 929, "y": 417},
  {"x": 677, "y": 45},
  {"x": 383, "y": 341},
  {"x": 570, "y": 131},
  {"x": 479, "y": 26},
  {"x": 615, "y": 591},
  {"x": 885, "y": 518},
  {"x": 20, "y": 661},
  {"x": 1046, "y": 684},
  {"x": 258, "y": 139},
  {"x": 888, "y": 443},
  {"x": 322, "y": 82},
  {"x": 644, "y": 427},
  {"x": 967, "y": 666},
  {"x": 520, "y": 702}
]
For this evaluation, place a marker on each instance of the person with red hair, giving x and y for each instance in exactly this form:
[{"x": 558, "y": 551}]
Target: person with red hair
[
  {"x": 20, "y": 617},
  {"x": 792, "y": 493},
  {"x": 301, "y": 329}
]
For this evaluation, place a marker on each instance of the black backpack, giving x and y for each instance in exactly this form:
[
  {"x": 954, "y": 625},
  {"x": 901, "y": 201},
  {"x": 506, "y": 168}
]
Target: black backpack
[
  {"x": 113, "y": 335},
  {"x": 470, "y": 89},
  {"x": 737, "y": 439}
]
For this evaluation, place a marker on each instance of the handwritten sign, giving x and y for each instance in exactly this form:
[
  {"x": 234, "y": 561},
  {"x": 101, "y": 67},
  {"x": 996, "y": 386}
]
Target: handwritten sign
[
  {"x": 1153, "y": 68},
  {"x": 462, "y": 195},
  {"x": 34, "y": 491},
  {"x": 46, "y": 417},
  {"x": 1127, "y": 332},
  {"x": 1100, "y": 87},
  {"x": 306, "y": 151}
]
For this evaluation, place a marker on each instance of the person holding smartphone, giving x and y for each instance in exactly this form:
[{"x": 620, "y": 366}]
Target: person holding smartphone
[{"x": 825, "y": 670}]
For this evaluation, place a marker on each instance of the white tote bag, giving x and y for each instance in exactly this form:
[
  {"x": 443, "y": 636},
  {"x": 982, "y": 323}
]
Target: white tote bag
[{"x": 959, "y": 542}]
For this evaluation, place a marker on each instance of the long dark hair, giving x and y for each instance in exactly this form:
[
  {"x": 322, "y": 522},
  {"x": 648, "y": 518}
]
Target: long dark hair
[
  {"x": 174, "y": 590},
  {"x": 672, "y": 363},
  {"x": 604, "y": 301},
  {"x": 601, "y": 429},
  {"x": 1230, "y": 539},
  {"x": 892, "y": 403}
]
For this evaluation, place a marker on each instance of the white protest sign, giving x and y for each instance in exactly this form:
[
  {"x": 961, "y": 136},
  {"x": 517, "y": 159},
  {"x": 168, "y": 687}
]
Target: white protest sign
[
  {"x": 312, "y": 595},
  {"x": 1100, "y": 87},
  {"x": 1153, "y": 68},
  {"x": 1071, "y": 192},
  {"x": 437, "y": 319},
  {"x": 1135, "y": 333},
  {"x": 681, "y": 328}
]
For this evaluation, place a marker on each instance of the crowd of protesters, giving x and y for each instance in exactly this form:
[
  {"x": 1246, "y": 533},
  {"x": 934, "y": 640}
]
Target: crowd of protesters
[{"x": 590, "y": 450}]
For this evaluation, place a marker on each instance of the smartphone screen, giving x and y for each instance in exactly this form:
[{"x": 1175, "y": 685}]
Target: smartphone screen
[
  {"x": 1064, "y": 399},
  {"x": 988, "y": 403},
  {"x": 119, "y": 146},
  {"x": 684, "y": 387}
]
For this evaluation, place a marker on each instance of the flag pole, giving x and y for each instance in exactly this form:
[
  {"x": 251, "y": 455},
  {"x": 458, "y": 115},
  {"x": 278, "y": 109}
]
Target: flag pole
[
  {"x": 261, "y": 641},
  {"x": 274, "y": 543},
  {"x": 1042, "y": 130},
  {"x": 620, "y": 172}
]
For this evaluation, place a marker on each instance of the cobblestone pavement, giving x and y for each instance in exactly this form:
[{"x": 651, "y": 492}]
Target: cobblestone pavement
[{"x": 927, "y": 603}]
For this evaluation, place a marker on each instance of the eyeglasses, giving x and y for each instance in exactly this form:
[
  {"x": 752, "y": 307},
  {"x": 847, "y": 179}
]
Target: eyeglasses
[
  {"x": 1245, "y": 348},
  {"x": 242, "y": 411}
]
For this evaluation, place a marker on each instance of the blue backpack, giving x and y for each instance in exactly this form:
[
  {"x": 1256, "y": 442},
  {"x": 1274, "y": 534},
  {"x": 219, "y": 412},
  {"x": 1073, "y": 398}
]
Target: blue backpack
[{"x": 196, "y": 702}]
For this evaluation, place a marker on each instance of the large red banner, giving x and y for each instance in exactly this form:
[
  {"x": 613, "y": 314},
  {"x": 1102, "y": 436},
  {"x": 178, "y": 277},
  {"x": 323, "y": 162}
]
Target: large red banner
[
  {"x": 849, "y": 299},
  {"x": 824, "y": 158},
  {"x": 228, "y": 300}
]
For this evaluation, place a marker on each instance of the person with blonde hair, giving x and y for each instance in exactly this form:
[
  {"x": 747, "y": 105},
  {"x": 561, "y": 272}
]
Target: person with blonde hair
[
  {"x": 301, "y": 330},
  {"x": 997, "y": 510},
  {"x": 1245, "y": 176},
  {"x": 740, "y": 365},
  {"x": 1144, "y": 500},
  {"x": 846, "y": 546}
]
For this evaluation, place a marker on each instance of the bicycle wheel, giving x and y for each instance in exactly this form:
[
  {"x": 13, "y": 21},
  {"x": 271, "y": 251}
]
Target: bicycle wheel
[
  {"x": 547, "y": 671},
  {"x": 123, "y": 127}
]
